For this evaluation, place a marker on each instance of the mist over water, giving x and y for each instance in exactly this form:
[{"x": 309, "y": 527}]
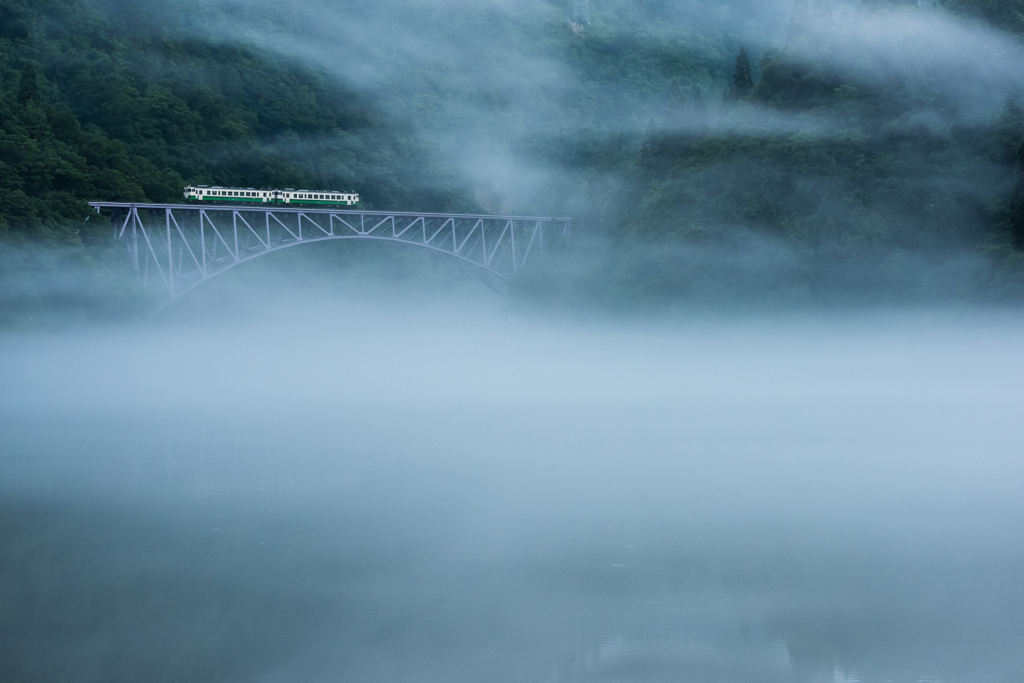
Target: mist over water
[
  {"x": 364, "y": 488},
  {"x": 710, "y": 439}
]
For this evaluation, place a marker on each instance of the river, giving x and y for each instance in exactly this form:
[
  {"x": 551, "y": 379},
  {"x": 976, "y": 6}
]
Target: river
[{"x": 368, "y": 493}]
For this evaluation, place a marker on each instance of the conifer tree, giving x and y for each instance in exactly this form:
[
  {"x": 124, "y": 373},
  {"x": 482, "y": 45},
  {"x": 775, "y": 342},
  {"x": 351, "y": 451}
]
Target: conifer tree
[
  {"x": 742, "y": 80},
  {"x": 28, "y": 86},
  {"x": 700, "y": 108}
]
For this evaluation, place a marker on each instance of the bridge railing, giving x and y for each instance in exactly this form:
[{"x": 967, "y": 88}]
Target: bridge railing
[{"x": 179, "y": 246}]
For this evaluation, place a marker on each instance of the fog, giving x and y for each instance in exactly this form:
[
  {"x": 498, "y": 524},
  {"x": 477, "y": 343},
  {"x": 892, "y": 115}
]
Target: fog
[
  {"x": 967, "y": 67},
  {"x": 486, "y": 85},
  {"x": 757, "y": 435},
  {"x": 423, "y": 485}
]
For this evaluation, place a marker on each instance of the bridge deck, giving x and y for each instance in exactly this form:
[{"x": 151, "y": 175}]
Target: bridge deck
[{"x": 285, "y": 208}]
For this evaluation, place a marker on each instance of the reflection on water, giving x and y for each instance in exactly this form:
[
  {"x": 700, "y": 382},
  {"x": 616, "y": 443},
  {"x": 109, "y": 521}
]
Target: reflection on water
[{"x": 770, "y": 514}]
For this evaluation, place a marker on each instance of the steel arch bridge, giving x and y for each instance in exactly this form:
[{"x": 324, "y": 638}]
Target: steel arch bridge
[{"x": 177, "y": 247}]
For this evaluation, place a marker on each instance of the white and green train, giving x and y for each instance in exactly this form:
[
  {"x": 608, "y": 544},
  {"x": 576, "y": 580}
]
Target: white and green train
[{"x": 250, "y": 195}]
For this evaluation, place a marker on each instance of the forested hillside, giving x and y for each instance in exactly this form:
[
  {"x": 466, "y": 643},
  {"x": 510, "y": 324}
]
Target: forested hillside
[
  {"x": 845, "y": 173},
  {"x": 92, "y": 109},
  {"x": 789, "y": 151}
]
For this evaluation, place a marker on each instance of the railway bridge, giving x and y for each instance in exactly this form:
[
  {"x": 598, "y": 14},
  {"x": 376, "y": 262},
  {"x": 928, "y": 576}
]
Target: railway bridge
[{"x": 177, "y": 247}]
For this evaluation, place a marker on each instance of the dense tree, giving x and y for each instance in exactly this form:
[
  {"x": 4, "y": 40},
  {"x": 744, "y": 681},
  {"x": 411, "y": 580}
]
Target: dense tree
[
  {"x": 1016, "y": 218},
  {"x": 92, "y": 110},
  {"x": 653, "y": 142},
  {"x": 842, "y": 207}
]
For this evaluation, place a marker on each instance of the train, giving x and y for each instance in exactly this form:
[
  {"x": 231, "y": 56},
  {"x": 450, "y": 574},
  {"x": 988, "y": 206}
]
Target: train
[{"x": 251, "y": 195}]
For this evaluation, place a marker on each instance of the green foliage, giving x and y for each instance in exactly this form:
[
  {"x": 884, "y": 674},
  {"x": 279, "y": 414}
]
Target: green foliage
[
  {"x": 647, "y": 130},
  {"x": 855, "y": 176},
  {"x": 90, "y": 111},
  {"x": 1006, "y": 14}
]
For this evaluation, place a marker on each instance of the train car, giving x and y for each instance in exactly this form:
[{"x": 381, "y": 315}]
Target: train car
[
  {"x": 251, "y": 195},
  {"x": 317, "y": 197},
  {"x": 230, "y": 195}
]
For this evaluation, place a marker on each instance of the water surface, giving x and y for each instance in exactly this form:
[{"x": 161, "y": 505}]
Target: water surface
[{"x": 365, "y": 493}]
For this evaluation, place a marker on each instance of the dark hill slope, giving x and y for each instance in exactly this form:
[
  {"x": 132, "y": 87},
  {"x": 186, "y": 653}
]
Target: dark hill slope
[
  {"x": 90, "y": 109},
  {"x": 843, "y": 174}
]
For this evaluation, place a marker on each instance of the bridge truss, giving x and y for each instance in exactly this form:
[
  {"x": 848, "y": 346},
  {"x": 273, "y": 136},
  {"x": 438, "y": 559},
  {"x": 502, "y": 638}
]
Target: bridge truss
[{"x": 177, "y": 247}]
